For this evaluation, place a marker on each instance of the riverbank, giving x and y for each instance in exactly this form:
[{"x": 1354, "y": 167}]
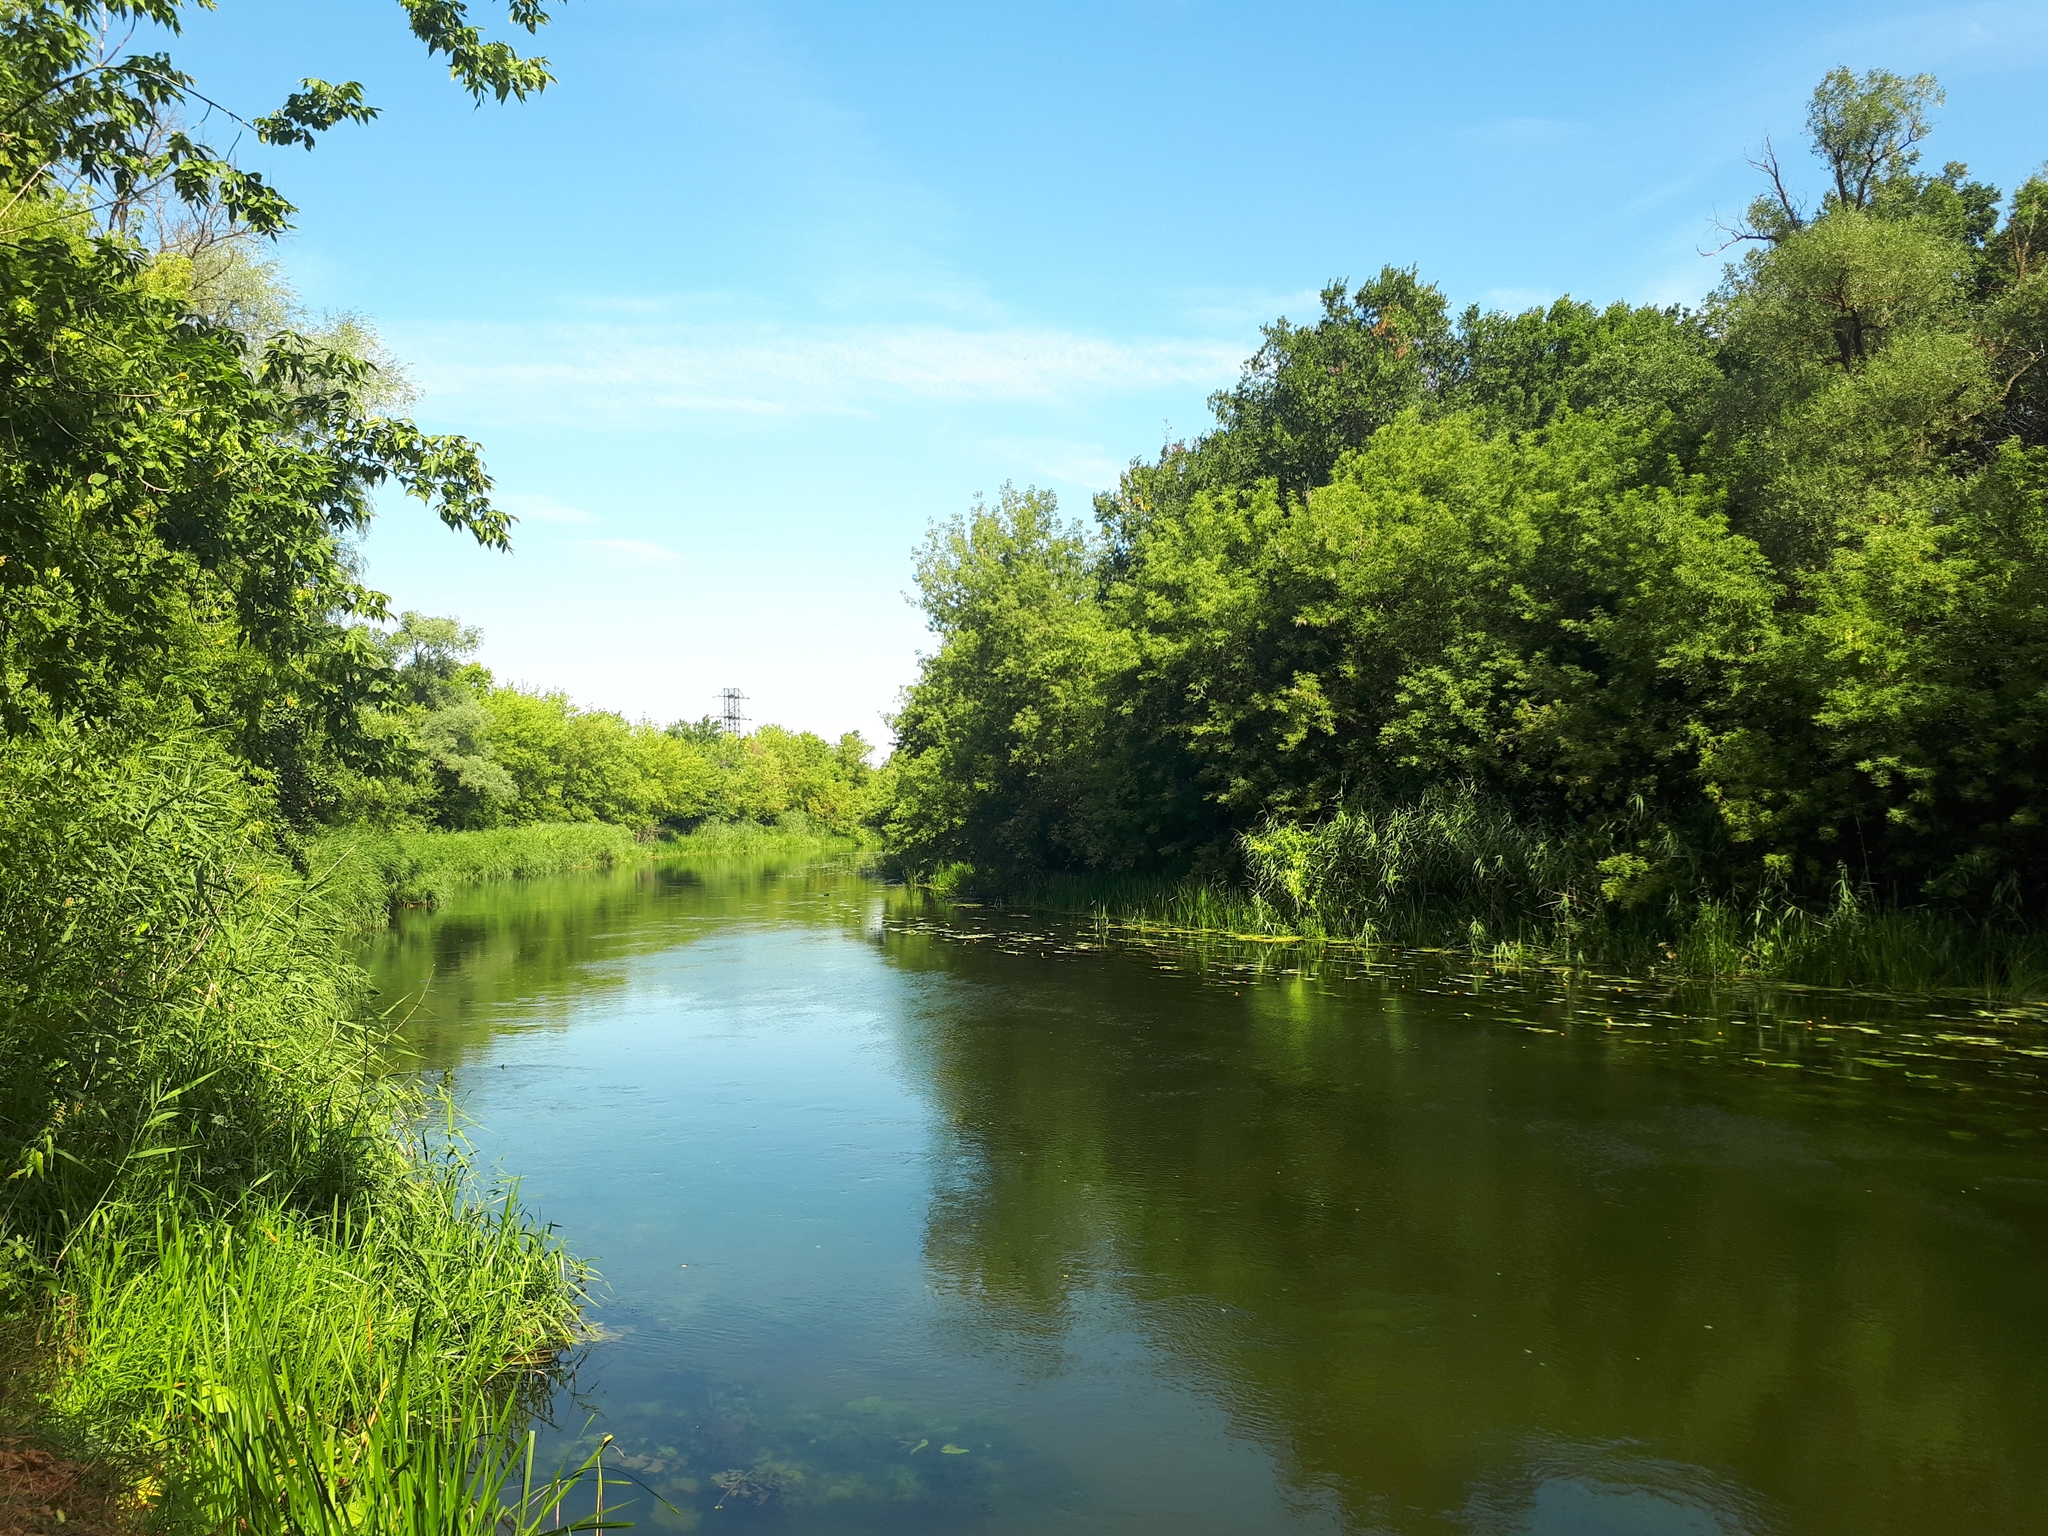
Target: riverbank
[
  {"x": 247, "y": 1276},
  {"x": 1856, "y": 946},
  {"x": 366, "y": 873}
]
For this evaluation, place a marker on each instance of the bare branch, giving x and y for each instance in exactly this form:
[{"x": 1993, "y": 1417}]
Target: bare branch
[{"x": 1769, "y": 166}]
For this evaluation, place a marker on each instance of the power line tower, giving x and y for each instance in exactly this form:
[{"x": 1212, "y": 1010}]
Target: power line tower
[{"x": 730, "y": 717}]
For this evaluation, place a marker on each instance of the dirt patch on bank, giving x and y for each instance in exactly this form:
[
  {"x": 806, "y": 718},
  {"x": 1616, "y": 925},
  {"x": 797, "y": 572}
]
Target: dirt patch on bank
[{"x": 43, "y": 1495}]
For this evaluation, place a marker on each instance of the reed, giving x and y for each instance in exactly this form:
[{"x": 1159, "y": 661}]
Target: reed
[
  {"x": 158, "y": 1306},
  {"x": 364, "y": 873},
  {"x": 794, "y": 835},
  {"x": 1456, "y": 869},
  {"x": 215, "y": 1192},
  {"x": 1858, "y": 943},
  {"x": 260, "y": 1463},
  {"x": 376, "y": 1361}
]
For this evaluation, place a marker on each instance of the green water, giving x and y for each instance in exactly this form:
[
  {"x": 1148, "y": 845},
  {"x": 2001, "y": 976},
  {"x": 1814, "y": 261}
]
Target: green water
[{"x": 917, "y": 1218}]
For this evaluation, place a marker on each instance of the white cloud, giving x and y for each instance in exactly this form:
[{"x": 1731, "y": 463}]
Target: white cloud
[
  {"x": 603, "y": 373},
  {"x": 634, "y": 550},
  {"x": 1515, "y": 300},
  {"x": 1983, "y": 36},
  {"x": 1083, "y": 464},
  {"x": 1241, "y": 311},
  {"x": 529, "y": 508}
]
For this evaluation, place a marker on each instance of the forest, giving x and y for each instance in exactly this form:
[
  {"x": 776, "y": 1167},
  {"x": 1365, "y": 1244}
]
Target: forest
[{"x": 1630, "y": 630}]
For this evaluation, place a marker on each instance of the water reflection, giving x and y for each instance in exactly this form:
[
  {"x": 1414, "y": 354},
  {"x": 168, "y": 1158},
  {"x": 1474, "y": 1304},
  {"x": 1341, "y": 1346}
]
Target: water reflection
[
  {"x": 1610, "y": 1491},
  {"x": 930, "y": 1218},
  {"x": 533, "y": 953},
  {"x": 1391, "y": 1234}
]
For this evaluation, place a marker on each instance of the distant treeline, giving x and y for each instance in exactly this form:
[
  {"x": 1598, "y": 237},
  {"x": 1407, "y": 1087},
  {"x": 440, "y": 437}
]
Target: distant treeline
[
  {"x": 1579, "y": 610},
  {"x": 459, "y": 751}
]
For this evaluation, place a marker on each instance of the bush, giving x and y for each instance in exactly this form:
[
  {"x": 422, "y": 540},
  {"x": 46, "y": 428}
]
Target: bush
[
  {"x": 170, "y": 996},
  {"x": 216, "y": 1194}
]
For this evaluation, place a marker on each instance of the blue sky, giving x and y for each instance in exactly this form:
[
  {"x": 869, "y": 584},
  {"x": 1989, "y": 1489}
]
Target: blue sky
[{"x": 756, "y": 292}]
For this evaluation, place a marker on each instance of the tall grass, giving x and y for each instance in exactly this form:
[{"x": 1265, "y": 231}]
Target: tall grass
[
  {"x": 304, "y": 1372},
  {"x": 164, "y": 1309},
  {"x": 1454, "y": 865},
  {"x": 1452, "y": 868},
  {"x": 793, "y": 835},
  {"x": 1857, "y": 943},
  {"x": 259, "y": 1463},
  {"x": 1457, "y": 869},
  {"x": 1138, "y": 900},
  {"x": 214, "y": 1202},
  {"x": 170, "y": 995},
  {"x": 364, "y": 872}
]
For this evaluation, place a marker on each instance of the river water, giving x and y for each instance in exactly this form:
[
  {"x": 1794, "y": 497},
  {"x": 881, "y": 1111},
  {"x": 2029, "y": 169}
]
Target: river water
[{"x": 916, "y": 1217}]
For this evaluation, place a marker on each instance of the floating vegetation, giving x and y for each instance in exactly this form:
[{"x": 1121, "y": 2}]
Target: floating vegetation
[{"x": 1848, "y": 1038}]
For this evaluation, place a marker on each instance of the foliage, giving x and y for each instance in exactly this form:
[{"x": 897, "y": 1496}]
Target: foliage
[
  {"x": 185, "y": 461},
  {"x": 468, "y": 753},
  {"x": 996, "y": 747},
  {"x": 176, "y": 506},
  {"x": 214, "y": 1194},
  {"x": 87, "y": 114},
  {"x": 1730, "y": 609}
]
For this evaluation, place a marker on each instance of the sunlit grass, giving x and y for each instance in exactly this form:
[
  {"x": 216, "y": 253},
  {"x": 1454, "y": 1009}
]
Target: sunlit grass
[
  {"x": 226, "y": 1230},
  {"x": 363, "y": 873},
  {"x": 794, "y": 836},
  {"x": 373, "y": 1357}
]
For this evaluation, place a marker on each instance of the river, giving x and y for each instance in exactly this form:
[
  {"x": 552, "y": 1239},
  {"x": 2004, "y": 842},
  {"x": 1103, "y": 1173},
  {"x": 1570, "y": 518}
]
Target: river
[{"x": 917, "y": 1217}]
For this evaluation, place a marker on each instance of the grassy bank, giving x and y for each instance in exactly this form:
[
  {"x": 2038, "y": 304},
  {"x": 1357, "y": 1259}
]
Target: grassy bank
[
  {"x": 794, "y": 836},
  {"x": 1455, "y": 871},
  {"x": 364, "y": 873},
  {"x": 238, "y": 1264}
]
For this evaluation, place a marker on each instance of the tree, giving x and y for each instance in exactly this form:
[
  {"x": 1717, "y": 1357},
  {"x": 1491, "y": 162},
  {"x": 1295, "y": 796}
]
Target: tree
[
  {"x": 1308, "y": 394},
  {"x": 1723, "y": 600},
  {"x": 998, "y": 744},
  {"x": 85, "y": 116},
  {"x": 1867, "y": 131},
  {"x": 177, "y": 497}
]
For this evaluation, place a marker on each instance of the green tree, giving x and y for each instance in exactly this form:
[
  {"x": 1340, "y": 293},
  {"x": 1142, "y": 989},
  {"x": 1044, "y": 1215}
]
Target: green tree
[
  {"x": 177, "y": 496},
  {"x": 1729, "y": 599},
  {"x": 998, "y": 745}
]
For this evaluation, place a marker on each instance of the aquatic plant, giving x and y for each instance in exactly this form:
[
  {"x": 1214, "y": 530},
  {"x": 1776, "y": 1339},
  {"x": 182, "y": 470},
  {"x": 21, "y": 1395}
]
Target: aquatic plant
[{"x": 1457, "y": 869}]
